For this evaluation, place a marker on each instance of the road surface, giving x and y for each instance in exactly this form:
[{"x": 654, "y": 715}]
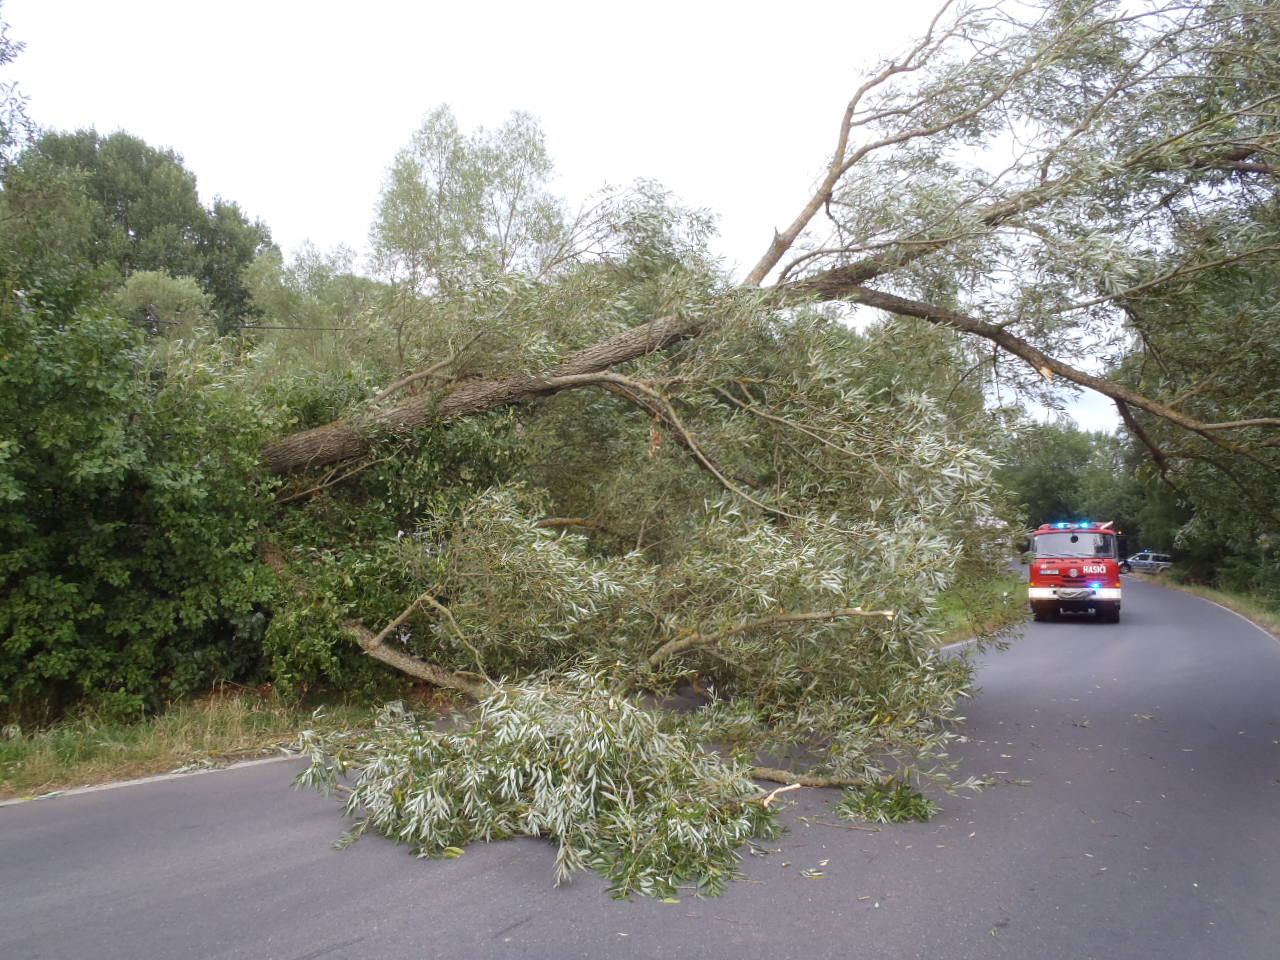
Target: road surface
[{"x": 1137, "y": 815}]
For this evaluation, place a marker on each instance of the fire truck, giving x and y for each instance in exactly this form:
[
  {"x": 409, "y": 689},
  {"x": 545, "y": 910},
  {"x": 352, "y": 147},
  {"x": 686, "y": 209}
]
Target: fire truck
[{"x": 1076, "y": 566}]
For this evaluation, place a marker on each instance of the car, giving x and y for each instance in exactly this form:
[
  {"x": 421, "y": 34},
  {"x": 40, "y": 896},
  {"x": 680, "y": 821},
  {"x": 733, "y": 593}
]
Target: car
[{"x": 1148, "y": 562}]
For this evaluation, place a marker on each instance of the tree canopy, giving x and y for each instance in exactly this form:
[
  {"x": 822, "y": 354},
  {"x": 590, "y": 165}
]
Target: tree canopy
[
  {"x": 457, "y": 208},
  {"x": 15, "y": 126},
  {"x": 120, "y": 205}
]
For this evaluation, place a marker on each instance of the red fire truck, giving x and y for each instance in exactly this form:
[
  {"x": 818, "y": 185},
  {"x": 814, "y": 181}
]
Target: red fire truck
[{"x": 1075, "y": 566}]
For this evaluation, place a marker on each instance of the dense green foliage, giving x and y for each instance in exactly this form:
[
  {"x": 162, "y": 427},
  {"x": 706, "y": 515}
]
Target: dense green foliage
[
  {"x": 127, "y": 519},
  {"x": 119, "y": 205},
  {"x": 610, "y": 782},
  {"x": 1056, "y": 471}
]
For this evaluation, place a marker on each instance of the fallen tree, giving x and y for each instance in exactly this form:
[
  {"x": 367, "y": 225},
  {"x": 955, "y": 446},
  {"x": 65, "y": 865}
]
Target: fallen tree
[
  {"x": 729, "y": 489},
  {"x": 1052, "y": 247}
]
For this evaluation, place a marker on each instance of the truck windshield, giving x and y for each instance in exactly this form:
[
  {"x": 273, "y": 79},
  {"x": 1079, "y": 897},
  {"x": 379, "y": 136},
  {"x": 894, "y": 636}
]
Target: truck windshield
[{"x": 1075, "y": 543}]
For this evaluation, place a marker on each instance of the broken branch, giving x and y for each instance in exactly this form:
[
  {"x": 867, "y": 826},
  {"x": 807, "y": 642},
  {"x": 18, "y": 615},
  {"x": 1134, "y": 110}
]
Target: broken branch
[{"x": 375, "y": 645}]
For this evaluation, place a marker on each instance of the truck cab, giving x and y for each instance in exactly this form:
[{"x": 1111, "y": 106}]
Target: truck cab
[{"x": 1075, "y": 567}]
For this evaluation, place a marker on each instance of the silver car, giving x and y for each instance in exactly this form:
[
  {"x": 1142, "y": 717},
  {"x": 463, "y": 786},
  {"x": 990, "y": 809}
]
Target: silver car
[{"x": 1148, "y": 562}]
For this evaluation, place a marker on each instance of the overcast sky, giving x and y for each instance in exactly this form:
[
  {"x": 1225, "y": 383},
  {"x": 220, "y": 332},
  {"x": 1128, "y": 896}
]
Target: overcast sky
[{"x": 295, "y": 109}]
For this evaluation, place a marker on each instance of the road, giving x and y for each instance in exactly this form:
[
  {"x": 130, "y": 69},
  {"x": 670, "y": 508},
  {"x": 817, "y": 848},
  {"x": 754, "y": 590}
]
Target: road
[{"x": 1136, "y": 817}]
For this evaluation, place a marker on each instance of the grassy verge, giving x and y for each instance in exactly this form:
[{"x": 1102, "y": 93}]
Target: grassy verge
[
  {"x": 982, "y": 609},
  {"x": 1255, "y": 608},
  {"x": 213, "y": 732}
]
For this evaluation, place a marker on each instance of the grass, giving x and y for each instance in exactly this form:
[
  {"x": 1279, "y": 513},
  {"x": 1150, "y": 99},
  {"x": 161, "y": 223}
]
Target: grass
[
  {"x": 1251, "y": 606},
  {"x": 213, "y": 732},
  {"x": 982, "y": 609}
]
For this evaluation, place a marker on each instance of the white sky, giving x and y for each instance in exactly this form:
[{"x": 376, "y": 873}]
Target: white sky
[{"x": 295, "y": 109}]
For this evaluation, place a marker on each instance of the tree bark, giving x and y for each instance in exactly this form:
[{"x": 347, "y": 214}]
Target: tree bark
[
  {"x": 375, "y": 645},
  {"x": 344, "y": 440}
]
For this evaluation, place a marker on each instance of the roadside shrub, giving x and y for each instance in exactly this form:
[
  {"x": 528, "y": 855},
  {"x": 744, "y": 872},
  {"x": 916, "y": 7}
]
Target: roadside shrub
[
  {"x": 128, "y": 512},
  {"x": 1252, "y": 571}
]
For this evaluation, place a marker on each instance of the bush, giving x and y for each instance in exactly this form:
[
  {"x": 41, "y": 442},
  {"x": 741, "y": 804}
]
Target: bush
[
  {"x": 1252, "y": 571},
  {"x": 128, "y": 513}
]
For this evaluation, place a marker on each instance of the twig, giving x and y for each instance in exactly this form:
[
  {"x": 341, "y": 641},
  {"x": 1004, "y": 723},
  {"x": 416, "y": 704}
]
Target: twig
[
  {"x": 844, "y": 826},
  {"x": 766, "y": 800},
  {"x": 329, "y": 482},
  {"x": 429, "y": 372},
  {"x": 457, "y": 630},
  {"x": 802, "y": 779}
]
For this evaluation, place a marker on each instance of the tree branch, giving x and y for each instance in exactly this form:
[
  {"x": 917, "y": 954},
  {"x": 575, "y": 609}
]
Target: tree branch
[
  {"x": 345, "y": 440},
  {"x": 1183, "y": 271},
  {"x": 583, "y": 522},
  {"x": 1235, "y": 424},
  {"x": 672, "y": 420},
  {"x": 695, "y": 638},
  {"x": 375, "y": 646},
  {"x": 1158, "y": 455},
  {"x": 429, "y": 372},
  {"x": 802, "y": 779},
  {"x": 330, "y": 480},
  {"x": 825, "y": 288}
]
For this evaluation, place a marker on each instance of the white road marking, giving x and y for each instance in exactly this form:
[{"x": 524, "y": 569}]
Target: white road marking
[{"x": 159, "y": 778}]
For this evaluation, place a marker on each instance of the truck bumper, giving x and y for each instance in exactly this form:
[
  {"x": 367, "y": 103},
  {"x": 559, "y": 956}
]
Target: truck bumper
[{"x": 1067, "y": 595}]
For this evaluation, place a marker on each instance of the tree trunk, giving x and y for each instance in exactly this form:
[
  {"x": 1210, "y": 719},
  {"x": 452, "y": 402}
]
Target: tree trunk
[{"x": 344, "y": 440}]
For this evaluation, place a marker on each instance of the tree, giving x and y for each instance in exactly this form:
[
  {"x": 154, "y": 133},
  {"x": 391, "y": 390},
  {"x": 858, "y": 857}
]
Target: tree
[
  {"x": 125, "y": 206},
  {"x": 15, "y": 127},
  {"x": 126, "y": 526},
  {"x": 1055, "y": 471},
  {"x": 766, "y": 511},
  {"x": 1127, "y": 126},
  {"x": 1045, "y": 467},
  {"x": 1022, "y": 176},
  {"x": 1211, "y": 348},
  {"x": 458, "y": 208},
  {"x": 173, "y": 306}
]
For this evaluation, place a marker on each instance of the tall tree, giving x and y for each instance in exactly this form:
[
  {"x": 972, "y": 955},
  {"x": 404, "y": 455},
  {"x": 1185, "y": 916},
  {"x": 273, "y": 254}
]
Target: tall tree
[
  {"x": 15, "y": 126},
  {"x": 140, "y": 211},
  {"x": 456, "y": 208}
]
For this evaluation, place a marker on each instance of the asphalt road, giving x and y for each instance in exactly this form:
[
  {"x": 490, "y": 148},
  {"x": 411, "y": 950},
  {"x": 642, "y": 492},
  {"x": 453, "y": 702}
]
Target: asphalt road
[{"x": 1136, "y": 817}]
